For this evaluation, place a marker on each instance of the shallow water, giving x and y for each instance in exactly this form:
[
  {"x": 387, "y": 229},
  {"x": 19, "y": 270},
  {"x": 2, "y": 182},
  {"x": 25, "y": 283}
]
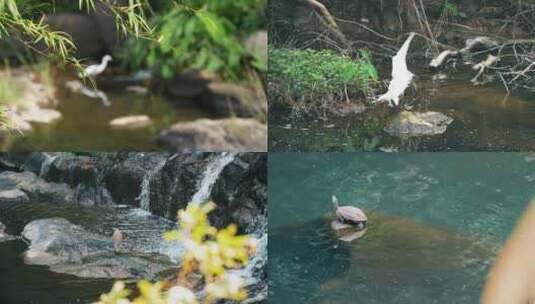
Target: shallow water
[
  {"x": 436, "y": 223},
  {"x": 484, "y": 120},
  {"x": 85, "y": 123},
  {"x": 35, "y": 284}
]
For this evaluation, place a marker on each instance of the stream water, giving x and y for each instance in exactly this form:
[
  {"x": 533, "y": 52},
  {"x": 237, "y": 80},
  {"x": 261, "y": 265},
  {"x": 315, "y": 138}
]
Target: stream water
[
  {"x": 85, "y": 123},
  {"x": 484, "y": 120},
  {"x": 436, "y": 222},
  {"x": 21, "y": 283}
]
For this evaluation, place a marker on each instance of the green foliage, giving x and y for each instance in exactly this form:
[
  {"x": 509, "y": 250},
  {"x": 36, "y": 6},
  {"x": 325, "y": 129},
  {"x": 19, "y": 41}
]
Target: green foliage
[
  {"x": 451, "y": 8},
  {"x": 312, "y": 76},
  {"x": 25, "y": 16},
  {"x": 209, "y": 251},
  {"x": 205, "y": 35}
]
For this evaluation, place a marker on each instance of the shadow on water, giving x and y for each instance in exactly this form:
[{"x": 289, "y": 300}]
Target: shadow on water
[
  {"x": 397, "y": 261},
  {"x": 22, "y": 283},
  {"x": 85, "y": 123},
  {"x": 317, "y": 258}
]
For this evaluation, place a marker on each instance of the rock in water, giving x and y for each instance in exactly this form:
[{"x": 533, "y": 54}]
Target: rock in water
[
  {"x": 13, "y": 196},
  {"x": 418, "y": 124},
  {"x": 131, "y": 122},
  {"x": 234, "y": 134},
  {"x": 68, "y": 248},
  {"x": 39, "y": 115}
]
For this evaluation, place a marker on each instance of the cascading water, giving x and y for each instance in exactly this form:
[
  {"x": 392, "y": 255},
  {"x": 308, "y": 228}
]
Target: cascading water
[
  {"x": 45, "y": 166},
  {"x": 144, "y": 194},
  {"x": 210, "y": 175}
]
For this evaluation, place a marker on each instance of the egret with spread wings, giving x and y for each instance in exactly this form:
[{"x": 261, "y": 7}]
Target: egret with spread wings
[{"x": 401, "y": 76}]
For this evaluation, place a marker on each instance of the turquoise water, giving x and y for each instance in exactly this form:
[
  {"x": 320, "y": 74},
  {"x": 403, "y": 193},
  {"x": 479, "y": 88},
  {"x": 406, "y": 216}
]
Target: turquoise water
[{"x": 436, "y": 222}]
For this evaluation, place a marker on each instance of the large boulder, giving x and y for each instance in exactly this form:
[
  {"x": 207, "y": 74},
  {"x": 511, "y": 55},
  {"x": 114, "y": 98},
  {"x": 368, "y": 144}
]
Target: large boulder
[
  {"x": 406, "y": 124},
  {"x": 176, "y": 183},
  {"x": 56, "y": 240},
  {"x": 83, "y": 30},
  {"x": 229, "y": 99},
  {"x": 14, "y": 184},
  {"x": 241, "y": 193},
  {"x": 68, "y": 248},
  {"x": 234, "y": 134},
  {"x": 124, "y": 175},
  {"x": 188, "y": 85},
  {"x": 94, "y": 34}
]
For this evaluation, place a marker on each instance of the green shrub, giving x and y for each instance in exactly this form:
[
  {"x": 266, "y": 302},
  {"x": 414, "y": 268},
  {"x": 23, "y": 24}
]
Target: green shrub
[
  {"x": 319, "y": 77},
  {"x": 204, "y": 35}
]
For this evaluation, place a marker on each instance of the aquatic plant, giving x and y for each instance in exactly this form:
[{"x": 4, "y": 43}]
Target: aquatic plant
[
  {"x": 319, "y": 78},
  {"x": 209, "y": 251},
  {"x": 204, "y": 35}
]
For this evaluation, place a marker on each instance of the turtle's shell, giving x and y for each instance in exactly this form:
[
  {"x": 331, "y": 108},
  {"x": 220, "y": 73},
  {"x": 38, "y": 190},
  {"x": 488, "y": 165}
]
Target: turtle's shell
[{"x": 351, "y": 214}]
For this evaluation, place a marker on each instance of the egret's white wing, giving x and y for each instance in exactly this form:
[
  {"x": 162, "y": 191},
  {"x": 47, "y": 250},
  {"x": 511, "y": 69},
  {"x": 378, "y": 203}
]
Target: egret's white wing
[{"x": 401, "y": 76}]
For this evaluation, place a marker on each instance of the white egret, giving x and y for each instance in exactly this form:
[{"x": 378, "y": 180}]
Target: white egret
[
  {"x": 401, "y": 76},
  {"x": 96, "y": 69}
]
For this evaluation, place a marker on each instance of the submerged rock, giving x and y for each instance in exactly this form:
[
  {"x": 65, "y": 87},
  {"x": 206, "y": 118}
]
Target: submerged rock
[
  {"x": 131, "y": 122},
  {"x": 39, "y": 115},
  {"x": 234, "y": 134},
  {"x": 394, "y": 252},
  {"x": 68, "y": 248},
  {"x": 418, "y": 124}
]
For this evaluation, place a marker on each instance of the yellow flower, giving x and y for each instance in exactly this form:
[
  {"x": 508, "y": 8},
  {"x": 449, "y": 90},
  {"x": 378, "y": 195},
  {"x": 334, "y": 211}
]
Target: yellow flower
[
  {"x": 228, "y": 286},
  {"x": 181, "y": 295}
]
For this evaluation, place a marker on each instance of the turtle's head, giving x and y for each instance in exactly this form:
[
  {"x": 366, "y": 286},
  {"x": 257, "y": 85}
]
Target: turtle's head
[{"x": 334, "y": 201}]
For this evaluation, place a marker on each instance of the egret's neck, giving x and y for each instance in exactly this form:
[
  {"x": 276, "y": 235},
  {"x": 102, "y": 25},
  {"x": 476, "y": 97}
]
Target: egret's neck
[{"x": 104, "y": 63}]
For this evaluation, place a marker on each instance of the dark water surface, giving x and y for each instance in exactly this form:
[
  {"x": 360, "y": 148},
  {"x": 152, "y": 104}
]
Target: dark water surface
[
  {"x": 436, "y": 222},
  {"x": 21, "y": 283}
]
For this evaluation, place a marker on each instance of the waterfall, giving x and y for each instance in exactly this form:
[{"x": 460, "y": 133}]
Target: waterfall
[
  {"x": 210, "y": 175},
  {"x": 144, "y": 195},
  {"x": 45, "y": 166}
]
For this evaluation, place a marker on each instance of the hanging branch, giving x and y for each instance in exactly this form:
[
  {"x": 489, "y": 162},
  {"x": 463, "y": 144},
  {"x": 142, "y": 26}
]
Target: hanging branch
[{"x": 328, "y": 20}]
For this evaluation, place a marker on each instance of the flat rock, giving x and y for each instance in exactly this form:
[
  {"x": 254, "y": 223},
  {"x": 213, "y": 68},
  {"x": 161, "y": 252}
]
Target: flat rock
[
  {"x": 418, "y": 124},
  {"x": 68, "y": 248},
  {"x": 13, "y": 196},
  {"x": 131, "y": 122},
  {"x": 39, "y": 115},
  {"x": 235, "y": 134}
]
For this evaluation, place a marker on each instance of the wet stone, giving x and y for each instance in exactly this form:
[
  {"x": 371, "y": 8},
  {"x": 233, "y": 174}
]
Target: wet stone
[{"x": 418, "y": 124}]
